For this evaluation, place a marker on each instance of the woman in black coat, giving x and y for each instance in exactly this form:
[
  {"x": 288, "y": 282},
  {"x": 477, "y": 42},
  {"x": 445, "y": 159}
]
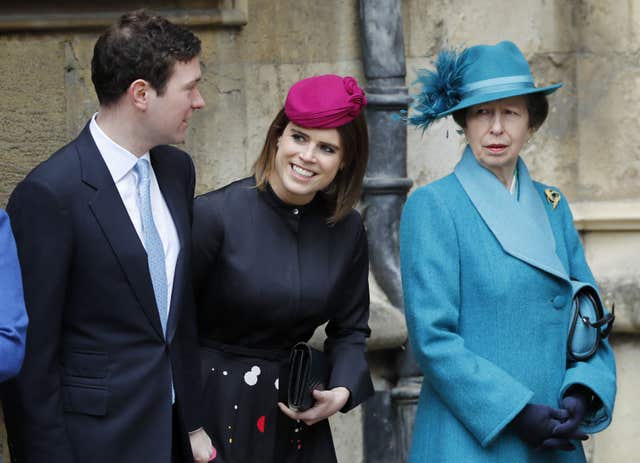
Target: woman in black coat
[{"x": 277, "y": 255}]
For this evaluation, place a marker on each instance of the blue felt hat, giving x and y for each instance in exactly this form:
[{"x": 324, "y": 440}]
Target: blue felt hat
[{"x": 476, "y": 75}]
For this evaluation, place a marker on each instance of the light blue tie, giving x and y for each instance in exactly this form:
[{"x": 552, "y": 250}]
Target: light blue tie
[
  {"x": 153, "y": 245},
  {"x": 152, "y": 242}
]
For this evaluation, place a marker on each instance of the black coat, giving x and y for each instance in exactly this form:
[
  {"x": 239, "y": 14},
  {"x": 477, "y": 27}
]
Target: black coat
[
  {"x": 95, "y": 385},
  {"x": 267, "y": 275}
]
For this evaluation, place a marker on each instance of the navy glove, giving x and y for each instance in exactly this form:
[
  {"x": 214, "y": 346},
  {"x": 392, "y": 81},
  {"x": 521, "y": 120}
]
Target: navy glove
[
  {"x": 557, "y": 443},
  {"x": 535, "y": 425},
  {"x": 576, "y": 403}
]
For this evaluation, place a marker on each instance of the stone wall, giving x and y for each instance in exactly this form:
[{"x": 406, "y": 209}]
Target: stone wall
[{"x": 588, "y": 147}]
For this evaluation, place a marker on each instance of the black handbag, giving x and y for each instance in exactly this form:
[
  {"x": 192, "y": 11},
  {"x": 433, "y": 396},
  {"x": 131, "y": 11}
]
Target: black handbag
[
  {"x": 589, "y": 324},
  {"x": 308, "y": 370}
]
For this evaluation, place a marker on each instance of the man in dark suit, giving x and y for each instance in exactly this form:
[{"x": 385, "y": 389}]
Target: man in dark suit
[{"x": 111, "y": 371}]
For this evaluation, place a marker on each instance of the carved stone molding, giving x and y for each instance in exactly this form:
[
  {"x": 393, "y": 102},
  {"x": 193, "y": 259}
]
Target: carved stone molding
[
  {"x": 45, "y": 16},
  {"x": 611, "y": 235},
  {"x": 606, "y": 215}
]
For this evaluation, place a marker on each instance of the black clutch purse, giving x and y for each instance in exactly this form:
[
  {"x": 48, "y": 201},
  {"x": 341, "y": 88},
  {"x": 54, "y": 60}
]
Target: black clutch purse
[{"x": 308, "y": 370}]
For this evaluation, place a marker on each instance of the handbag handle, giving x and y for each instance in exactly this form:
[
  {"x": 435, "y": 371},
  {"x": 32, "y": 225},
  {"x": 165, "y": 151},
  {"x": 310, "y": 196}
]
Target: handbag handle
[{"x": 606, "y": 319}]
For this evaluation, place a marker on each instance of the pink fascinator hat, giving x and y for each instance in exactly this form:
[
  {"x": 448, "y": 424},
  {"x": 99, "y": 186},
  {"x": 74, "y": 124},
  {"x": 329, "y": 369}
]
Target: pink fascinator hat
[{"x": 324, "y": 102}]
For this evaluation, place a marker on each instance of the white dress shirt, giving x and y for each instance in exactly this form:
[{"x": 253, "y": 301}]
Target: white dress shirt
[{"x": 121, "y": 163}]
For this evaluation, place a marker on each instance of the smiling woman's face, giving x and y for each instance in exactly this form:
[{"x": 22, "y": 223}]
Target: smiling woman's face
[
  {"x": 306, "y": 161},
  {"x": 496, "y": 132}
]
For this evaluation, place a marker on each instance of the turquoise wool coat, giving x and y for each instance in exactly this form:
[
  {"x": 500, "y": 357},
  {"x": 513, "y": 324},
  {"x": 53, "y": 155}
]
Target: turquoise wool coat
[{"x": 487, "y": 292}]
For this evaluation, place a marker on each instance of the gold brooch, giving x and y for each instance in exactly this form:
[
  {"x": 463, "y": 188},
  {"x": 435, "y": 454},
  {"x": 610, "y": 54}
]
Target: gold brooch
[{"x": 553, "y": 197}]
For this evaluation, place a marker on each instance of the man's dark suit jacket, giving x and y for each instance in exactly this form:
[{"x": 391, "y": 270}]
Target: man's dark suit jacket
[{"x": 96, "y": 382}]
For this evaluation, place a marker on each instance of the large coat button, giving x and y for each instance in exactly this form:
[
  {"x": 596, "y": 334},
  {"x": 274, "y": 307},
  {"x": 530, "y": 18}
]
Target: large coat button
[{"x": 559, "y": 302}]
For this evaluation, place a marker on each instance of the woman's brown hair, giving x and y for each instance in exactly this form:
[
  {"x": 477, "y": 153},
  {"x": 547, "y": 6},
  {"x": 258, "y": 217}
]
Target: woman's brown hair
[{"x": 344, "y": 191}]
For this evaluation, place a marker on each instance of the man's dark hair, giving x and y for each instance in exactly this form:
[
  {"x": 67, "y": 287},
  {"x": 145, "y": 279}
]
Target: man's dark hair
[
  {"x": 537, "y": 107},
  {"x": 140, "y": 45}
]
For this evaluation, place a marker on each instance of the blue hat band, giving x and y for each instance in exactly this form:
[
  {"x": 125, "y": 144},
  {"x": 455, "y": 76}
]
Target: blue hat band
[{"x": 499, "y": 84}]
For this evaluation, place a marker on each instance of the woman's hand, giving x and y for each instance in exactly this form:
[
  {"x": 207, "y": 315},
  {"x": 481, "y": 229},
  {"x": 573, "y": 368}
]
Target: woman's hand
[
  {"x": 535, "y": 425},
  {"x": 576, "y": 402},
  {"x": 544, "y": 427},
  {"x": 201, "y": 446},
  {"x": 327, "y": 404}
]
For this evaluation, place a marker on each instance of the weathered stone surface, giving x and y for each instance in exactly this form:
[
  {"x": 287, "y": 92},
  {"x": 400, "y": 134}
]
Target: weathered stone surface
[
  {"x": 625, "y": 293},
  {"x": 619, "y": 442},
  {"x": 434, "y": 154},
  {"x": 551, "y": 154},
  {"x": 348, "y": 435},
  {"x": 608, "y": 131},
  {"x": 32, "y": 115},
  {"x": 608, "y": 253},
  {"x": 536, "y": 26},
  {"x": 608, "y": 26},
  {"x": 309, "y": 32},
  {"x": 216, "y": 139},
  {"x": 80, "y": 96},
  {"x": 388, "y": 326}
]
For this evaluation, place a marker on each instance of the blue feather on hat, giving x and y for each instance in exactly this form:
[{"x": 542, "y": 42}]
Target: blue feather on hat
[{"x": 440, "y": 88}]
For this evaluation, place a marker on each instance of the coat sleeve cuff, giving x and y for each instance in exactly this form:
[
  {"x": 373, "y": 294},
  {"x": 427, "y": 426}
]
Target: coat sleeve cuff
[
  {"x": 351, "y": 371},
  {"x": 603, "y": 386},
  {"x": 520, "y": 404}
]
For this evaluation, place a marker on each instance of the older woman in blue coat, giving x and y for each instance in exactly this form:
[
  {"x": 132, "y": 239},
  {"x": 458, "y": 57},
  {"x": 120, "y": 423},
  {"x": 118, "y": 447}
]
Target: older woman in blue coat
[
  {"x": 490, "y": 259},
  {"x": 13, "y": 316}
]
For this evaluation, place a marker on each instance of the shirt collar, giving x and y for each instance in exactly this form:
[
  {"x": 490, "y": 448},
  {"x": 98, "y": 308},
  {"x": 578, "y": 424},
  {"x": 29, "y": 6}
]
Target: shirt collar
[
  {"x": 118, "y": 159},
  {"x": 514, "y": 184}
]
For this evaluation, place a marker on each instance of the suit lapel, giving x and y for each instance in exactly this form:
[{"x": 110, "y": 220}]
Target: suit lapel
[
  {"x": 522, "y": 228},
  {"x": 112, "y": 216},
  {"x": 172, "y": 192}
]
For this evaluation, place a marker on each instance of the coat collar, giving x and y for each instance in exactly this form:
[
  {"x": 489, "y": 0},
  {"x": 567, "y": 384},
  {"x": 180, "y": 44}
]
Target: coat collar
[{"x": 521, "y": 227}]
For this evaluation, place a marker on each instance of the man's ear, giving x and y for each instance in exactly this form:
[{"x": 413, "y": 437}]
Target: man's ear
[{"x": 138, "y": 93}]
